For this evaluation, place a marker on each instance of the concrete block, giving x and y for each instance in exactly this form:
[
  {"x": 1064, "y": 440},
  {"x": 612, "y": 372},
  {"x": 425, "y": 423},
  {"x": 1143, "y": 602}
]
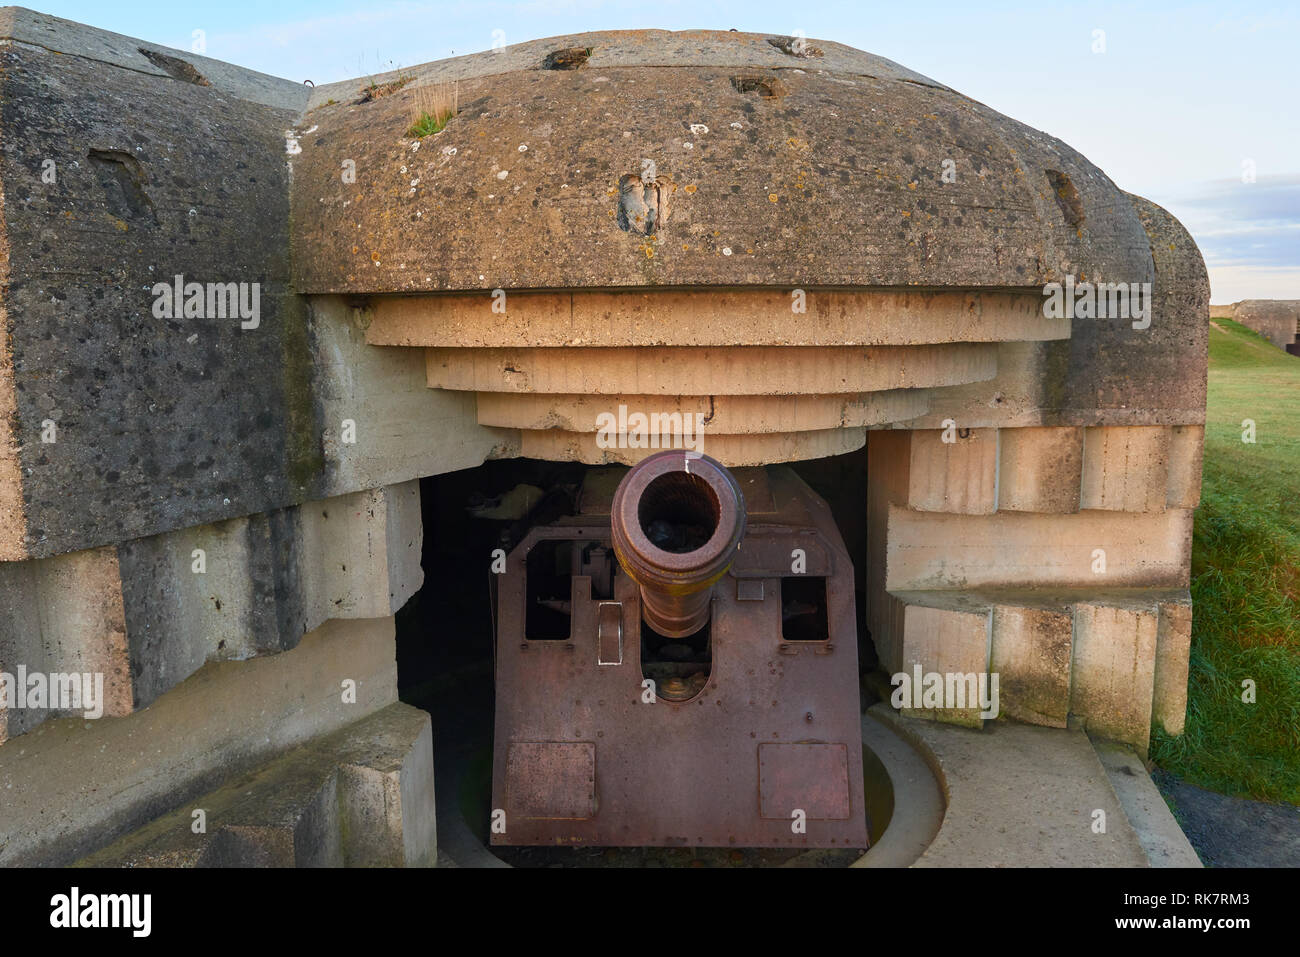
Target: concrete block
[
  {"x": 959, "y": 476},
  {"x": 1014, "y": 549},
  {"x": 1173, "y": 649},
  {"x": 1031, "y": 651},
  {"x": 1039, "y": 469},
  {"x": 1113, "y": 671},
  {"x": 402, "y": 430},
  {"x": 64, "y": 615},
  {"x": 362, "y": 552},
  {"x": 386, "y": 790},
  {"x": 1186, "y": 452},
  {"x": 1125, "y": 468},
  {"x": 949, "y": 642},
  {"x": 739, "y": 370}
]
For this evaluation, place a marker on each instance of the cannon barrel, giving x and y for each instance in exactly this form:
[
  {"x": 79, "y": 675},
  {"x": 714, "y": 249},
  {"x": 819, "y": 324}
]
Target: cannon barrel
[{"x": 677, "y": 520}]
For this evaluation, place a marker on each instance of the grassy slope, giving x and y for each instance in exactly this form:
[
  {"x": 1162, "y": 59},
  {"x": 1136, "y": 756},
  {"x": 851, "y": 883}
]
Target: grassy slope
[{"x": 1245, "y": 580}]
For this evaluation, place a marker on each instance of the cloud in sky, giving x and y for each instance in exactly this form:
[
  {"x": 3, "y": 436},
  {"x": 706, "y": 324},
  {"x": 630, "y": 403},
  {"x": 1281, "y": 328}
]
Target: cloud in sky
[{"x": 1249, "y": 234}]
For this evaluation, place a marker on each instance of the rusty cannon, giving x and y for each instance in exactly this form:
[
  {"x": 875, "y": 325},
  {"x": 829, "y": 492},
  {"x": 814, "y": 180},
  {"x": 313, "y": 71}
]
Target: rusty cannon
[{"x": 676, "y": 664}]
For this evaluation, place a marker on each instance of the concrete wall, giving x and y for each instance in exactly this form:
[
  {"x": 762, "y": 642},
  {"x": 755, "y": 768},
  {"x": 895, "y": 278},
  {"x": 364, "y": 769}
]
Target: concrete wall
[
  {"x": 1055, "y": 557},
  {"x": 151, "y": 612},
  {"x": 71, "y": 786}
]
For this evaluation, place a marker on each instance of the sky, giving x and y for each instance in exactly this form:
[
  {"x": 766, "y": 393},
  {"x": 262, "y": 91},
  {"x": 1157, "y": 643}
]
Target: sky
[{"x": 1193, "y": 105}]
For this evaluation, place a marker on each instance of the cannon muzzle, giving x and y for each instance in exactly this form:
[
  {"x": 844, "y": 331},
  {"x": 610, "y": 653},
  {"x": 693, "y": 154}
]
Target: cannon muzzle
[{"x": 677, "y": 520}]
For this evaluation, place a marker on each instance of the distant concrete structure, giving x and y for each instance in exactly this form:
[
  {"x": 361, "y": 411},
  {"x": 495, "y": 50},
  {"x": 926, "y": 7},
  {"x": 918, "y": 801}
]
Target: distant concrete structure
[
  {"x": 810, "y": 247},
  {"x": 1277, "y": 320}
]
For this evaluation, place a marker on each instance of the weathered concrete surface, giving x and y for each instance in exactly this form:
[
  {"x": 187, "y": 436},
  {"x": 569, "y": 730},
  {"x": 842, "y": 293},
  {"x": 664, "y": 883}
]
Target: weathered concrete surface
[
  {"x": 721, "y": 414},
  {"x": 642, "y": 48},
  {"x": 722, "y": 317},
  {"x": 269, "y": 580},
  {"x": 1112, "y": 674},
  {"x": 738, "y": 370},
  {"x": 1125, "y": 468},
  {"x": 151, "y": 612},
  {"x": 939, "y": 550},
  {"x": 400, "y": 428},
  {"x": 953, "y": 471},
  {"x": 152, "y": 177},
  {"x": 1019, "y": 796},
  {"x": 71, "y": 786},
  {"x": 362, "y": 796},
  {"x": 1162, "y": 839},
  {"x": 140, "y": 424},
  {"x": 1108, "y": 373},
  {"x": 64, "y": 615},
  {"x": 733, "y": 451},
  {"x": 1116, "y": 374},
  {"x": 1173, "y": 651},
  {"x": 1040, "y": 469},
  {"x": 1186, "y": 453},
  {"x": 75, "y": 39},
  {"x": 855, "y": 154},
  {"x": 1114, "y": 659},
  {"x": 1030, "y": 650},
  {"x": 918, "y": 801}
]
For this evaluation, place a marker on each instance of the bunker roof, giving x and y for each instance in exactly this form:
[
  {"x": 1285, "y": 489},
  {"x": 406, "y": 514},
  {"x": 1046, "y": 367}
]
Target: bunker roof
[{"x": 701, "y": 158}]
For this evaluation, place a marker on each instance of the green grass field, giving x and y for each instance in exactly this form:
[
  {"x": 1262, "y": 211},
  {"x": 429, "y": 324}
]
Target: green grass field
[{"x": 1245, "y": 580}]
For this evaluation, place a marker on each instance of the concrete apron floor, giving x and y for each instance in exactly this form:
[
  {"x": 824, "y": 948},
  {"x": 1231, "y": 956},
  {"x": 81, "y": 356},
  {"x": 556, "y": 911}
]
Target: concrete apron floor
[{"x": 1016, "y": 795}]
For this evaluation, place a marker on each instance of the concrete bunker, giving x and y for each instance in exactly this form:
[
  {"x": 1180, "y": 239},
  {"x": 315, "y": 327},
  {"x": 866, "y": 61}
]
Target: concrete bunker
[{"x": 239, "y": 512}]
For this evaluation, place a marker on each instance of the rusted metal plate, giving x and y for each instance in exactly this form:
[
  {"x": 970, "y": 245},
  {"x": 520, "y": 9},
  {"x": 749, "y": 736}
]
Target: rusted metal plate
[
  {"x": 688, "y": 772},
  {"x": 551, "y": 780},
  {"x": 803, "y": 779}
]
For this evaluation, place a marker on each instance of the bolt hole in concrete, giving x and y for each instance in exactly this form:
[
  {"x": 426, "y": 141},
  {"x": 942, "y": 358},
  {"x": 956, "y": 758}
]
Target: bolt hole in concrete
[
  {"x": 1067, "y": 197},
  {"x": 768, "y": 87},
  {"x": 644, "y": 205},
  {"x": 571, "y": 58},
  {"x": 122, "y": 179},
  {"x": 445, "y": 650}
]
